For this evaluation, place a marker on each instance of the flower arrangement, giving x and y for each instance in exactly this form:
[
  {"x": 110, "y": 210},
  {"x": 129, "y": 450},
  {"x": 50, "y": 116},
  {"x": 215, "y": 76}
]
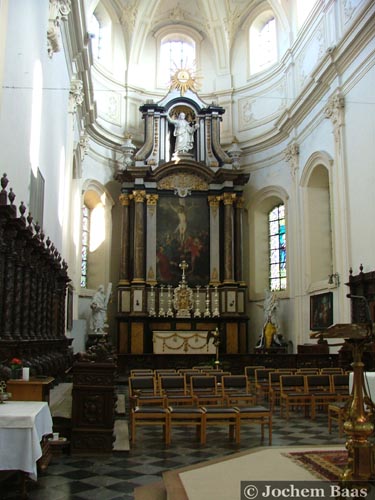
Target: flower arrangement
[
  {"x": 16, "y": 364},
  {"x": 16, "y": 368}
]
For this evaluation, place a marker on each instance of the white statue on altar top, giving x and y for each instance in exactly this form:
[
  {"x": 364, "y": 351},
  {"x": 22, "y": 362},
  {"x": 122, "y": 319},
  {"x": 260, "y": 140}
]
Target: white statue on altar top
[{"x": 184, "y": 133}]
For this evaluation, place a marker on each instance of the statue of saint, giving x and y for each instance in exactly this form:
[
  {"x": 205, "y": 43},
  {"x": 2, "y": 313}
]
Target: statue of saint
[
  {"x": 98, "y": 307},
  {"x": 184, "y": 133},
  {"x": 270, "y": 335}
]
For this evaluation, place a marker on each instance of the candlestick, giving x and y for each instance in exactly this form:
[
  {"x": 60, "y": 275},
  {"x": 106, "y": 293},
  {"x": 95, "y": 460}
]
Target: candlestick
[
  {"x": 169, "y": 302},
  {"x": 152, "y": 302},
  {"x": 207, "y": 312},
  {"x": 161, "y": 302},
  {"x": 197, "y": 312},
  {"x": 216, "y": 312}
]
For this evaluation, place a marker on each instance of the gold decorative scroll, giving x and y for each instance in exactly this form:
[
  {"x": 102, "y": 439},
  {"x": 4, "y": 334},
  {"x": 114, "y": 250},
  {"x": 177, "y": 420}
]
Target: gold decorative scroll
[{"x": 183, "y": 181}]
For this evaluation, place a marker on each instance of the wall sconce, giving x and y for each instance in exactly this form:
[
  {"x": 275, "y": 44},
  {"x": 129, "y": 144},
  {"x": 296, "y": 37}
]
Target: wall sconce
[{"x": 334, "y": 279}]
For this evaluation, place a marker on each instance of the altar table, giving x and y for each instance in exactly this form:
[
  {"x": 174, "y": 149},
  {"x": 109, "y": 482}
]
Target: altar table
[
  {"x": 22, "y": 427},
  {"x": 182, "y": 342}
]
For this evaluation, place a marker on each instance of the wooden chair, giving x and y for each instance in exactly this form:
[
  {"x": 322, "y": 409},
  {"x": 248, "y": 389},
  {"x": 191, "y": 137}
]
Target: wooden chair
[
  {"x": 308, "y": 371},
  {"x": 274, "y": 387},
  {"x": 320, "y": 389},
  {"x": 189, "y": 416},
  {"x": 255, "y": 415},
  {"x": 236, "y": 390},
  {"x": 192, "y": 373},
  {"x": 150, "y": 416},
  {"x": 337, "y": 413},
  {"x": 340, "y": 385},
  {"x": 249, "y": 371},
  {"x": 140, "y": 372},
  {"x": 142, "y": 391},
  {"x": 261, "y": 382},
  {"x": 222, "y": 415},
  {"x": 204, "y": 389},
  {"x": 293, "y": 394},
  {"x": 331, "y": 370},
  {"x": 174, "y": 389}
]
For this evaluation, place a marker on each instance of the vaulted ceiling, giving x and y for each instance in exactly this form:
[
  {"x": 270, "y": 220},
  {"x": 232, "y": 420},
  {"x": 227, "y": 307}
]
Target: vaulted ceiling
[{"x": 216, "y": 20}]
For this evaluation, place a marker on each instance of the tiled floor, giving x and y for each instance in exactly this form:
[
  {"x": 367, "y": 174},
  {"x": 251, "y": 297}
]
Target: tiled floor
[{"x": 114, "y": 477}]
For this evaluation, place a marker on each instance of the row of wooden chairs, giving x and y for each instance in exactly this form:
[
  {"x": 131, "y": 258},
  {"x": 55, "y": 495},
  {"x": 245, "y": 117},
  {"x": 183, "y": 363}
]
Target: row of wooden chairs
[
  {"x": 266, "y": 379},
  {"x": 199, "y": 389},
  {"x": 201, "y": 402},
  {"x": 312, "y": 391},
  {"x": 200, "y": 417}
]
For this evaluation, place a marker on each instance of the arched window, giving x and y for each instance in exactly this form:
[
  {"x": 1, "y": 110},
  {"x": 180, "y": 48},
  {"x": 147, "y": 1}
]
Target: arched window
[
  {"x": 100, "y": 32},
  {"x": 263, "y": 42},
  {"x": 277, "y": 248},
  {"x": 177, "y": 47},
  {"x": 85, "y": 244},
  {"x": 176, "y": 51},
  {"x": 96, "y": 230},
  {"x": 268, "y": 242}
]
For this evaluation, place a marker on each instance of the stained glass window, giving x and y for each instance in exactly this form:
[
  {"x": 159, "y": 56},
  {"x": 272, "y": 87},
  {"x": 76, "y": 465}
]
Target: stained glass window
[
  {"x": 277, "y": 248},
  {"x": 85, "y": 244}
]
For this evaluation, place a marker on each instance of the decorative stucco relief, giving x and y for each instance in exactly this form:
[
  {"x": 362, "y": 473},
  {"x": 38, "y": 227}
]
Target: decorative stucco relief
[
  {"x": 261, "y": 109},
  {"x": 58, "y": 11},
  {"x": 349, "y": 7},
  {"x": 310, "y": 55},
  {"x": 109, "y": 106}
]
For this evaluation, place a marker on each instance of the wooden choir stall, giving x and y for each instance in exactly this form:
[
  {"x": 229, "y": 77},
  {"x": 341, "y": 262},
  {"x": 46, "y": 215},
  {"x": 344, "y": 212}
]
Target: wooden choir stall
[{"x": 33, "y": 284}]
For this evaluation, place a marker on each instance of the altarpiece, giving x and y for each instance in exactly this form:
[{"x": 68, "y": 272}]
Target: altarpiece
[{"x": 181, "y": 235}]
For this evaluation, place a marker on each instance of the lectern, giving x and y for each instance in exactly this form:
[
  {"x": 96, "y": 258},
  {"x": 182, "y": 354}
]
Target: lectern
[{"x": 360, "y": 410}]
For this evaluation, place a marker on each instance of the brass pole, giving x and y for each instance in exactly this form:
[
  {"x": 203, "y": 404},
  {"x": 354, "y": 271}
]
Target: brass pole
[{"x": 358, "y": 424}]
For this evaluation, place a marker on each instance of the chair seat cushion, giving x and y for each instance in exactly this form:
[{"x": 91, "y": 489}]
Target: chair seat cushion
[
  {"x": 185, "y": 409},
  {"x": 219, "y": 409},
  {"x": 252, "y": 409},
  {"x": 150, "y": 409}
]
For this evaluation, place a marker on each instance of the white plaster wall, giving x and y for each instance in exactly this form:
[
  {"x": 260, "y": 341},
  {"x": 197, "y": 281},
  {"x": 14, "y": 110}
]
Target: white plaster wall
[
  {"x": 360, "y": 158},
  {"x": 26, "y": 44}
]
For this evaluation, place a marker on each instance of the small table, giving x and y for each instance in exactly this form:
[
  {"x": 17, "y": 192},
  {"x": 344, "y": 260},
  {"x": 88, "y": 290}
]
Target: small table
[
  {"x": 22, "y": 427},
  {"x": 35, "y": 389}
]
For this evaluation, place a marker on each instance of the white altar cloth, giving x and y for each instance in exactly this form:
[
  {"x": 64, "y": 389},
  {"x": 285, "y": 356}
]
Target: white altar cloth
[
  {"x": 22, "y": 426},
  {"x": 182, "y": 342}
]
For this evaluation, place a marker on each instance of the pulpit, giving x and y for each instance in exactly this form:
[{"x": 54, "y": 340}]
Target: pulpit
[{"x": 93, "y": 406}]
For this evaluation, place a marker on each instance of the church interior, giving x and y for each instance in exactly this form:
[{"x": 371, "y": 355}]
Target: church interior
[{"x": 184, "y": 191}]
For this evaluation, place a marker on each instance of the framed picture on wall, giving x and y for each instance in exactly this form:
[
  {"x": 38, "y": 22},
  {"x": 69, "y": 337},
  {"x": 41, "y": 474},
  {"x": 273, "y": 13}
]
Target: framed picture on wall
[{"x": 321, "y": 311}]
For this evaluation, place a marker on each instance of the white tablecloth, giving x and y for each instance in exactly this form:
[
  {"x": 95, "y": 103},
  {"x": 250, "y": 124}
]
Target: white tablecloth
[
  {"x": 22, "y": 426},
  {"x": 369, "y": 378}
]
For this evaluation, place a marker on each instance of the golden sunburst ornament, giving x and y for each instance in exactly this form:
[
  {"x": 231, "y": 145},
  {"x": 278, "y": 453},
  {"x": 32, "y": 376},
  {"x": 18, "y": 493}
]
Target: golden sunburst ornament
[{"x": 183, "y": 79}]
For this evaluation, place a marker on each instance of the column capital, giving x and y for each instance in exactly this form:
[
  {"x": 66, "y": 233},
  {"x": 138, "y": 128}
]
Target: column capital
[
  {"x": 229, "y": 198},
  {"x": 125, "y": 199},
  {"x": 214, "y": 201},
  {"x": 240, "y": 202},
  {"x": 139, "y": 196},
  {"x": 152, "y": 199}
]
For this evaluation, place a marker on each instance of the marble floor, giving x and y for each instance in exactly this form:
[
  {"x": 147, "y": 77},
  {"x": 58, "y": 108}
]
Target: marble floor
[{"x": 114, "y": 476}]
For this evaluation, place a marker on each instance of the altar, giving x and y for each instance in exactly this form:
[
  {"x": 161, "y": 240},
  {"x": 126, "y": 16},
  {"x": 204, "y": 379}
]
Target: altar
[{"x": 177, "y": 342}]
